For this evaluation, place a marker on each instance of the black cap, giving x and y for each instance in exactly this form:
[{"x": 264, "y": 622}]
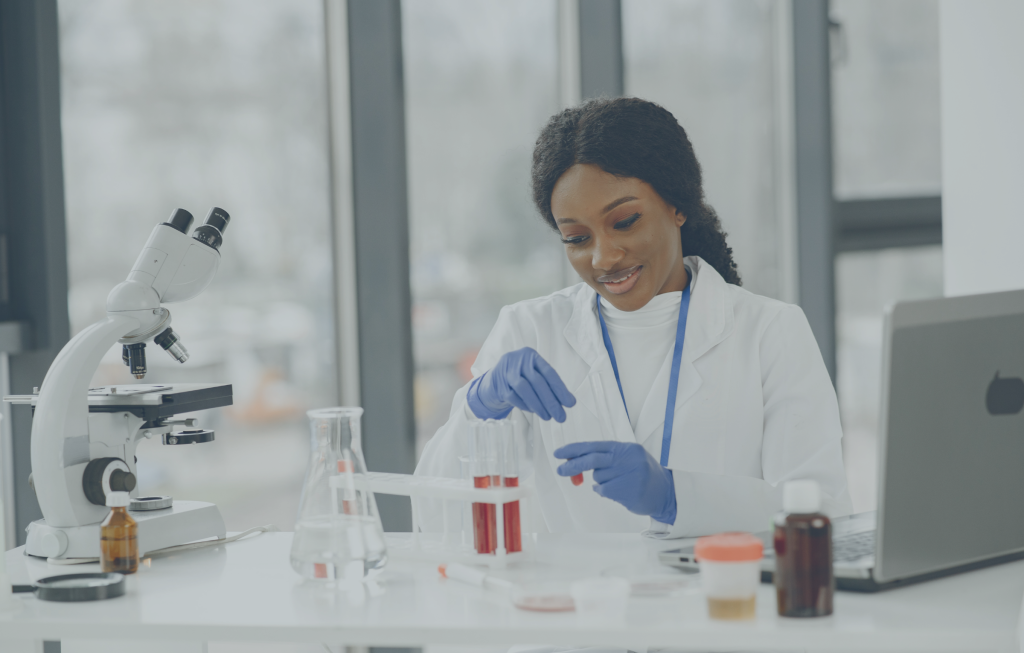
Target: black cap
[
  {"x": 218, "y": 218},
  {"x": 180, "y": 220}
]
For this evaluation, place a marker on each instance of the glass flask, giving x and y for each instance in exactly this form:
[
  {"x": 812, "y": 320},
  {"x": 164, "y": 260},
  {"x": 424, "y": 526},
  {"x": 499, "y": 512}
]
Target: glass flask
[{"x": 338, "y": 535}]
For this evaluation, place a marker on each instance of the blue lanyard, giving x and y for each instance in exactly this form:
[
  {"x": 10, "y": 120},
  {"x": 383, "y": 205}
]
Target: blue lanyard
[{"x": 673, "y": 379}]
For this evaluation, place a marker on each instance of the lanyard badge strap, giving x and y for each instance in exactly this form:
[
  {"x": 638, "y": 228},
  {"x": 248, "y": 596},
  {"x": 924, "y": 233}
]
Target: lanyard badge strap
[{"x": 673, "y": 380}]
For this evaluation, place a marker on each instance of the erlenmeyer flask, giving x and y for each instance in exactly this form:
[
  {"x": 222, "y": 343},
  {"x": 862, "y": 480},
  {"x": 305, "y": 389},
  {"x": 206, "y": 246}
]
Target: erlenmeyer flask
[{"x": 338, "y": 535}]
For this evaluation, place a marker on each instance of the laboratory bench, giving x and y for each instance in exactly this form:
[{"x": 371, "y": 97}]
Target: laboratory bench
[{"x": 246, "y": 591}]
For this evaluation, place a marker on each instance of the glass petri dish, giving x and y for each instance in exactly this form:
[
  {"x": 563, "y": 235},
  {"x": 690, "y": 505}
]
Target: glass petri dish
[
  {"x": 543, "y": 597},
  {"x": 654, "y": 579}
]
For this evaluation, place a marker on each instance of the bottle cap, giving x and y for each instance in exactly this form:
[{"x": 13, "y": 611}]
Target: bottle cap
[
  {"x": 118, "y": 500},
  {"x": 729, "y": 547},
  {"x": 801, "y": 497}
]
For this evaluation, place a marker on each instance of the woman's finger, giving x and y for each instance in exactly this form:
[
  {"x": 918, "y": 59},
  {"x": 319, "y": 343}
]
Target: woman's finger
[
  {"x": 521, "y": 388},
  {"x": 562, "y": 393},
  {"x": 544, "y": 393},
  {"x": 583, "y": 463},
  {"x": 577, "y": 449}
]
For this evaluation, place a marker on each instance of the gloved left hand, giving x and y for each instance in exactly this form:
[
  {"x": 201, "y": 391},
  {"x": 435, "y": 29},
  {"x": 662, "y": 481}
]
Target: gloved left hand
[{"x": 625, "y": 473}]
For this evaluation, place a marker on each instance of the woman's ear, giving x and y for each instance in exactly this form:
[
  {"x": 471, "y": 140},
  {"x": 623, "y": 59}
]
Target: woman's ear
[{"x": 680, "y": 218}]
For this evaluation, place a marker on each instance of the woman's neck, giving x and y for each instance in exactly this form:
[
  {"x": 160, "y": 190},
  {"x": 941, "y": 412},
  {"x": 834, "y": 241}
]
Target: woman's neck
[{"x": 678, "y": 280}]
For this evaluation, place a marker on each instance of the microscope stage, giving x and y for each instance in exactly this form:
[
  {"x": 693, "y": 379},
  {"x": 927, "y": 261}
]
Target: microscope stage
[{"x": 150, "y": 402}]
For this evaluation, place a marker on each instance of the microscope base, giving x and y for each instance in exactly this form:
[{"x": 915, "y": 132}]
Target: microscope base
[{"x": 185, "y": 521}]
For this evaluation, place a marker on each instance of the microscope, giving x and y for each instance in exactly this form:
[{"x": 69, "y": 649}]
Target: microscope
[{"x": 84, "y": 440}]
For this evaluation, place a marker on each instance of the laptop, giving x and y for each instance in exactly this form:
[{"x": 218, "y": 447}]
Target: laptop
[{"x": 950, "y": 450}]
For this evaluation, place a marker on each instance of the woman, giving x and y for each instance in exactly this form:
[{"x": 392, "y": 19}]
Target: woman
[{"x": 691, "y": 400}]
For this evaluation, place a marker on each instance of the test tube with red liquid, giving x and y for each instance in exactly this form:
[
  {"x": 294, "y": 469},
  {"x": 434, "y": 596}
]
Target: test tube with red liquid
[
  {"x": 485, "y": 525},
  {"x": 510, "y": 470}
]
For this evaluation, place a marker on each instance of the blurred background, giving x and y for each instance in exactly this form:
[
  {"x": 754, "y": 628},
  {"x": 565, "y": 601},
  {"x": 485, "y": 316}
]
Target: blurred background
[{"x": 264, "y": 107}]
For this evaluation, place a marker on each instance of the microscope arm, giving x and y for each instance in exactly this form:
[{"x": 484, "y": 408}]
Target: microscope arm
[{"x": 62, "y": 412}]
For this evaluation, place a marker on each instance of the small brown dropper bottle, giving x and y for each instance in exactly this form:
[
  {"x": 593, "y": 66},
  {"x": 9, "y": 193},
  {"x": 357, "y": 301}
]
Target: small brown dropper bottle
[
  {"x": 804, "y": 583},
  {"x": 119, "y": 543}
]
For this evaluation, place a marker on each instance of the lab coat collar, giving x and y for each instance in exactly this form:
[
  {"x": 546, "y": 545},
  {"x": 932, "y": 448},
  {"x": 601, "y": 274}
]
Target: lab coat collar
[{"x": 709, "y": 321}]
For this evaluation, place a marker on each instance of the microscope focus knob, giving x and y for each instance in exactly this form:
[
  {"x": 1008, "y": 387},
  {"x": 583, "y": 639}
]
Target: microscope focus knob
[
  {"x": 51, "y": 544},
  {"x": 105, "y": 475}
]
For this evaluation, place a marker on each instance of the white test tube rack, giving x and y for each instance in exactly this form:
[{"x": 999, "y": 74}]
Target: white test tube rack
[{"x": 451, "y": 489}]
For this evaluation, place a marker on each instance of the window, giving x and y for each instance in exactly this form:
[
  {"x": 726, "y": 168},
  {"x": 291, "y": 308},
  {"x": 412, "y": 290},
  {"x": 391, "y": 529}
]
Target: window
[
  {"x": 712, "y": 64},
  {"x": 866, "y": 283},
  {"x": 192, "y": 105},
  {"x": 885, "y": 98},
  {"x": 886, "y": 145},
  {"x": 480, "y": 82}
]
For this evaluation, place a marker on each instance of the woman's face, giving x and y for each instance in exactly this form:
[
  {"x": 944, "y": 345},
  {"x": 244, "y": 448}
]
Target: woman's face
[{"x": 621, "y": 237}]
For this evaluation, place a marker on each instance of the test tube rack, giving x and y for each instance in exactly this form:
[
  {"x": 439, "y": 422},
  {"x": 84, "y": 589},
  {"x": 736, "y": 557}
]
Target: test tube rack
[{"x": 446, "y": 490}]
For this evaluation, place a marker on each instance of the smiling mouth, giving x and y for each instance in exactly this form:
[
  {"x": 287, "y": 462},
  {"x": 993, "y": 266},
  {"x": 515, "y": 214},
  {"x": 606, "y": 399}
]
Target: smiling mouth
[{"x": 621, "y": 281}]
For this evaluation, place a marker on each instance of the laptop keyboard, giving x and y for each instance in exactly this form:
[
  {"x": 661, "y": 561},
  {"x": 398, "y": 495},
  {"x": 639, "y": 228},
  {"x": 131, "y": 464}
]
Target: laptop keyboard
[{"x": 847, "y": 548}]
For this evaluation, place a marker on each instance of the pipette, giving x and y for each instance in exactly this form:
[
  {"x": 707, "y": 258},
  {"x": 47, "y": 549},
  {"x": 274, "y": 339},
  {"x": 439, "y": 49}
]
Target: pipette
[{"x": 455, "y": 571}]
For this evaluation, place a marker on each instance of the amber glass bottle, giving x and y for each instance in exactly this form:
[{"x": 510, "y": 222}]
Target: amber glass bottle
[
  {"x": 119, "y": 543},
  {"x": 804, "y": 583}
]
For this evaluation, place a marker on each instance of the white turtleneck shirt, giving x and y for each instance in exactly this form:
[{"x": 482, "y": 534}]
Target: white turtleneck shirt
[{"x": 643, "y": 341}]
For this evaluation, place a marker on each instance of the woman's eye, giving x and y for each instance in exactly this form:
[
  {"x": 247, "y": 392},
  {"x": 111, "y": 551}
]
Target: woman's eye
[
  {"x": 573, "y": 240},
  {"x": 628, "y": 222}
]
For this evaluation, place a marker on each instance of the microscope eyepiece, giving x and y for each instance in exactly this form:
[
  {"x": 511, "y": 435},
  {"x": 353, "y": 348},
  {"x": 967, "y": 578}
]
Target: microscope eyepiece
[
  {"x": 171, "y": 343},
  {"x": 212, "y": 232},
  {"x": 180, "y": 220}
]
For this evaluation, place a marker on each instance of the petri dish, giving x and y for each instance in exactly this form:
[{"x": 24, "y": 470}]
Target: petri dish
[
  {"x": 654, "y": 579},
  {"x": 543, "y": 597}
]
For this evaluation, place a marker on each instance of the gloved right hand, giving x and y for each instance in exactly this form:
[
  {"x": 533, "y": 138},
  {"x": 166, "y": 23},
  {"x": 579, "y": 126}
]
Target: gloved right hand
[{"x": 523, "y": 380}]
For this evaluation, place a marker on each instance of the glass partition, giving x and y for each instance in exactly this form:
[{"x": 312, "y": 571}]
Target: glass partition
[
  {"x": 480, "y": 82},
  {"x": 867, "y": 282},
  {"x": 192, "y": 105},
  {"x": 885, "y": 98},
  {"x": 712, "y": 64}
]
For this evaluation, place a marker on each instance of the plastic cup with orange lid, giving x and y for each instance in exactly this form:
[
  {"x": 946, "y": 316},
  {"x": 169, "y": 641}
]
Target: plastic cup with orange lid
[{"x": 730, "y": 569}]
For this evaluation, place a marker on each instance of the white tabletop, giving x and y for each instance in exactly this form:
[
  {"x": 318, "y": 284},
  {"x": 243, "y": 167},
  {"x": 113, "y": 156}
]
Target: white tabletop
[{"x": 247, "y": 591}]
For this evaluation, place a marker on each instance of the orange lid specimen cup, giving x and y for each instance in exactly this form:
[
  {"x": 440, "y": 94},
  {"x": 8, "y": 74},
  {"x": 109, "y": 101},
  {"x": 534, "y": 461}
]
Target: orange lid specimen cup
[{"x": 729, "y": 547}]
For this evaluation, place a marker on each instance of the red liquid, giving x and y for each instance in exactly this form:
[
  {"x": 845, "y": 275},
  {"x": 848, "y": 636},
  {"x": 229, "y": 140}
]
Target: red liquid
[
  {"x": 513, "y": 531},
  {"x": 485, "y": 522},
  {"x": 578, "y": 479}
]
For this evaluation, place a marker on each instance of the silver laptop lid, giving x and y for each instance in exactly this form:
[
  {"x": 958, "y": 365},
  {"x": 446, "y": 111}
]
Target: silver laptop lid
[{"x": 951, "y": 447}]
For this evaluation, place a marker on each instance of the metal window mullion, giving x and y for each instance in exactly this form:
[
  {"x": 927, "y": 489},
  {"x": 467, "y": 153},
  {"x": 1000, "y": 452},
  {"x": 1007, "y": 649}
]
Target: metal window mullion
[
  {"x": 600, "y": 37},
  {"x": 381, "y": 242},
  {"x": 814, "y": 203},
  {"x": 346, "y": 309}
]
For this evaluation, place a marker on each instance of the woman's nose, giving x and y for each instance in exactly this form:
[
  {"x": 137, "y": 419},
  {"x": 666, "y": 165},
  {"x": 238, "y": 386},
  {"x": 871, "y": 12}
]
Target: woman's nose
[{"x": 606, "y": 255}]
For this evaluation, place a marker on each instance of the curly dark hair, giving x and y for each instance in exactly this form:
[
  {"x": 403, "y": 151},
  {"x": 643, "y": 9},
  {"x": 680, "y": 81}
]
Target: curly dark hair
[{"x": 630, "y": 137}]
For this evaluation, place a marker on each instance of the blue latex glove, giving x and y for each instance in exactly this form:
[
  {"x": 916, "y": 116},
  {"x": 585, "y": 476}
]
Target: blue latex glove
[
  {"x": 626, "y": 473},
  {"x": 523, "y": 380}
]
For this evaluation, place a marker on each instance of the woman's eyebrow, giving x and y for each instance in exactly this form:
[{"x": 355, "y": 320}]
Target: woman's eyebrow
[{"x": 621, "y": 200}]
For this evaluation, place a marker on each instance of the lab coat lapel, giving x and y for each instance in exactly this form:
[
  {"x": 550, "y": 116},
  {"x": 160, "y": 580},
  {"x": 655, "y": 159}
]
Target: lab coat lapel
[
  {"x": 583, "y": 332},
  {"x": 708, "y": 322}
]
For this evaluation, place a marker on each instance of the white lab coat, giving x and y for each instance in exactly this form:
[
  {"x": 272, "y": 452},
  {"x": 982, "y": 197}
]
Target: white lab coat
[{"x": 755, "y": 407}]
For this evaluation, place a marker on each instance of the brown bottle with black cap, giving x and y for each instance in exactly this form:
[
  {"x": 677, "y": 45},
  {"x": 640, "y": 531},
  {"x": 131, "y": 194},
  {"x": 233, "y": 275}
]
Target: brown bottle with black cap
[
  {"x": 804, "y": 583},
  {"x": 119, "y": 541}
]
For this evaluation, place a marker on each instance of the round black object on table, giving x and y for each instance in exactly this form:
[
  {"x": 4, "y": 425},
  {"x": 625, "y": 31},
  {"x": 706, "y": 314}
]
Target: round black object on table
[{"x": 80, "y": 587}]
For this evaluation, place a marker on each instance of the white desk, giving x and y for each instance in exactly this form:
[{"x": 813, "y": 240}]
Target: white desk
[{"x": 246, "y": 591}]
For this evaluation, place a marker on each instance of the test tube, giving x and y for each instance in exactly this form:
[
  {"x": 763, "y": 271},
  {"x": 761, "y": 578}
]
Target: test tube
[
  {"x": 560, "y": 429},
  {"x": 510, "y": 471},
  {"x": 480, "y": 470}
]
